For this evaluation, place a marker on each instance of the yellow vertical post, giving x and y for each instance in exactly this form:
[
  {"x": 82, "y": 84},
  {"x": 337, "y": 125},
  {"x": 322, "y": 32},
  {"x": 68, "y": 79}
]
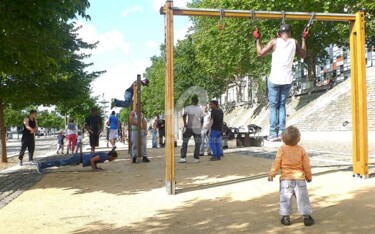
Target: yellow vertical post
[
  {"x": 169, "y": 100},
  {"x": 359, "y": 96},
  {"x": 137, "y": 100}
]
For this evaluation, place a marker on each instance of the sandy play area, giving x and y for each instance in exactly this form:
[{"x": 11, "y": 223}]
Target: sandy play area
[{"x": 227, "y": 196}]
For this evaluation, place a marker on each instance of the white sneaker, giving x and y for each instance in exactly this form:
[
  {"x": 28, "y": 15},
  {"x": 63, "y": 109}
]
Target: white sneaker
[
  {"x": 182, "y": 160},
  {"x": 196, "y": 160},
  {"x": 39, "y": 168},
  {"x": 20, "y": 164}
]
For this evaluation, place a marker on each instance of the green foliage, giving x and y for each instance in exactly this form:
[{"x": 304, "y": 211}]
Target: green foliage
[
  {"x": 222, "y": 46},
  {"x": 41, "y": 62},
  {"x": 50, "y": 120},
  {"x": 124, "y": 115},
  {"x": 41, "y": 59}
]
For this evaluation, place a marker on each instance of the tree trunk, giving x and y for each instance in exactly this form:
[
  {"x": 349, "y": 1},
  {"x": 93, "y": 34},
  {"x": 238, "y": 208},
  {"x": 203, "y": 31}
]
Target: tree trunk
[
  {"x": 238, "y": 83},
  {"x": 311, "y": 68},
  {"x": 3, "y": 146}
]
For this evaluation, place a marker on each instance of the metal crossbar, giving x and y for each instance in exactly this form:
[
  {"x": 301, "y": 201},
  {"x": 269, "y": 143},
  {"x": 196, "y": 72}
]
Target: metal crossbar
[{"x": 183, "y": 11}]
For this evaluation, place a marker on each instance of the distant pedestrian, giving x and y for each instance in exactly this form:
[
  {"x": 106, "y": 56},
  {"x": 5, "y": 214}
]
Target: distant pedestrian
[
  {"x": 107, "y": 133},
  {"x": 294, "y": 164},
  {"x": 71, "y": 135},
  {"x": 193, "y": 127},
  {"x": 155, "y": 132},
  {"x": 120, "y": 133},
  {"x": 30, "y": 127},
  {"x": 216, "y": 123},
  {"x": 133, "y": 119},
  {"x": 283, "y": 49},
  {"x": 205, "y": 133},
  {"x": 161, "y": 129},
  {"x": 60, "y": 142},
  {"x": 79, "y": 142},
  {"x": 76, "y": 159},
  {"x": 128, "y": 96},
  {"x": 113, "y": 124},
  {"x": 94, "y": 126}
]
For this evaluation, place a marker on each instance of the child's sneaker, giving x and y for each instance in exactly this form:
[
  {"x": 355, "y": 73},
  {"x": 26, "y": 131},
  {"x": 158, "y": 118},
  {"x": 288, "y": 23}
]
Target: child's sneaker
[
  {"x": 196, "y": 160},
  {"x": 286, "y": 221},
  {"x": 308, "y": 220}
]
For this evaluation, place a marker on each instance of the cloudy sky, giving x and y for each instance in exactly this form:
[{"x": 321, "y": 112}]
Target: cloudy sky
[{"x": 129, "y": 33}]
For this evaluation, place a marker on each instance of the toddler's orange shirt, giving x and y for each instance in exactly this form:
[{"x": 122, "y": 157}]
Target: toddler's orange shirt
[{"x": 293, "y": 162}]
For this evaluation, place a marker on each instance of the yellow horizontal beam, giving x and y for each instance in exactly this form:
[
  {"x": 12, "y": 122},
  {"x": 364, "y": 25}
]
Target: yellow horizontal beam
[{"x": 260, "y": 14}]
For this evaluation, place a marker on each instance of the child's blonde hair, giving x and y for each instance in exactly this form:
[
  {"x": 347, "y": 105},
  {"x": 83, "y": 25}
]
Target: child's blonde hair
[{"x": 291, "y": 135}]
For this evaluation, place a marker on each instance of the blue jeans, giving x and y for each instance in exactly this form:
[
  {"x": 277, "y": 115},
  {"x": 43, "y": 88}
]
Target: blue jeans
[
  {"x": 277, "y": 95},
  {"x": 59, "y": 162},
  {"x": 128, "y": 96},
  {"x": 215, "y": 143},
  {"x": 79, "y": 147},
  {"x": 154, "y": 137}
]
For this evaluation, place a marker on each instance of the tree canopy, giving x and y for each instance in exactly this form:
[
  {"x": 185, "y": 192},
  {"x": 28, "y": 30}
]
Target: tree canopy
[{"x": 41, "y": 61}]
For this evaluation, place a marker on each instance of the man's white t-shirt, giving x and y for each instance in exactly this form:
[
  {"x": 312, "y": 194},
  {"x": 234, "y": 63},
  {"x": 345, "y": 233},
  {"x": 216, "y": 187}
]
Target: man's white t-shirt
[
  {"x": 282, "y": 61},
  {"x": 195, "y": 115}
]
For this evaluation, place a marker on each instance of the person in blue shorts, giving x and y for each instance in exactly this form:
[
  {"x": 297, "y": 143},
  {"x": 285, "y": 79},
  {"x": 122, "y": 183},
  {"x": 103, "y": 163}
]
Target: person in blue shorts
[{"x": 76, "y": 159}]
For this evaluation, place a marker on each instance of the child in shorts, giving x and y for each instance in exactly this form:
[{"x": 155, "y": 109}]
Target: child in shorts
[
  {"x": 294, "y": 164},
  {"x": 60, "y": 142}
]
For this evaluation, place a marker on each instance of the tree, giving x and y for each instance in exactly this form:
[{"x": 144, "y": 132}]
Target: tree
[
  {"x": 50, "y": 120},
  {"x": 41, "y": 62}
]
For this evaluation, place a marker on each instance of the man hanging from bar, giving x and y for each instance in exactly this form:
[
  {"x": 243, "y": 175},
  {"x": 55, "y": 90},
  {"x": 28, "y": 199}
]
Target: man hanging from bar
[
  {"x": 283, "y": 49},
  {"x": 128, "y": 96}
]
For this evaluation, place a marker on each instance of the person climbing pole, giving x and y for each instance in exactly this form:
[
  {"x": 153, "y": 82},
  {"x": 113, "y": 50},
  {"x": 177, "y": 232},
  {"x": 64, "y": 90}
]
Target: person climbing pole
[{"x": 128, "y": 96}]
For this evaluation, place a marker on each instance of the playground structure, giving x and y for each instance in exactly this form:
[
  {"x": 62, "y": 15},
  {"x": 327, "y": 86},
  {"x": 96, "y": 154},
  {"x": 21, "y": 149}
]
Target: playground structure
[{"x": 358, "y": 76}]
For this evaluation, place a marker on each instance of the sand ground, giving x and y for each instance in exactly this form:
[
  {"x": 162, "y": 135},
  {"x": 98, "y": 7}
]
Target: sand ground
[{"x": 227, "y": 196}]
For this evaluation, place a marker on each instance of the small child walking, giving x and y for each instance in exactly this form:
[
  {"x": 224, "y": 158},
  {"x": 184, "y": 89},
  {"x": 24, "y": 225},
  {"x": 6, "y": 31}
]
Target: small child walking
[
  {"x": 60, "y": 142},
  {"x": 294, "y": 164},
  {"x": 79, "y": 142}
]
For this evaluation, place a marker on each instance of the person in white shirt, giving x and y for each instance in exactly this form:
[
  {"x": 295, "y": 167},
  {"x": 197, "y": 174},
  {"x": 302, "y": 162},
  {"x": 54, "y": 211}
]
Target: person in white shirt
[
  {"x": 193, "y": 127},
  {"x": 280, "y": 79},
  {"x": 205, "y": 132}
]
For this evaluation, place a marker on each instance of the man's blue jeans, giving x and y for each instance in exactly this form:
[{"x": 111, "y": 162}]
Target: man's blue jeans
[
  {"x": 62, "y": 161},
  {"x": 277, "y": 95},
  {"x": 215, "y": 143},
  {"x": 128, "y": 96},
  {"x": 154, "y": 137}
]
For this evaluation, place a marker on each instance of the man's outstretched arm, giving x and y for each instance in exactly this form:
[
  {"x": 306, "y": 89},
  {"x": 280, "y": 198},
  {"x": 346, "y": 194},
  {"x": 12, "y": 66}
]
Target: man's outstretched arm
[{"x": 261, "y": 52}]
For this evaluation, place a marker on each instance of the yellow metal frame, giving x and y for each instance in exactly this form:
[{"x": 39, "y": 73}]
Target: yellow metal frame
[
  {"x": 358, "y": 76},
  {"x": 359, "y": 95}
]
